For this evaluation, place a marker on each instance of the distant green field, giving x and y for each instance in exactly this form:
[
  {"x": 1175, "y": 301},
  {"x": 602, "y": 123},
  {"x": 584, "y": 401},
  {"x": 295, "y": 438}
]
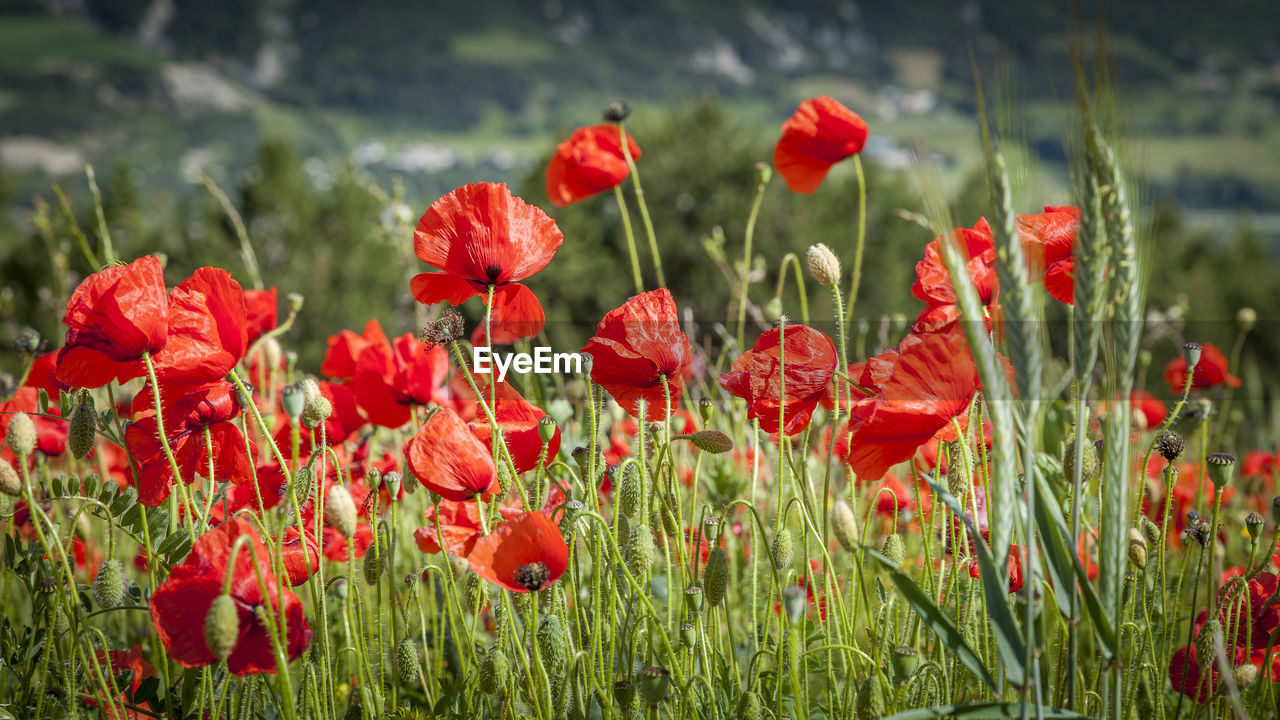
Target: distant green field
[{"x": 39, "y": 43}]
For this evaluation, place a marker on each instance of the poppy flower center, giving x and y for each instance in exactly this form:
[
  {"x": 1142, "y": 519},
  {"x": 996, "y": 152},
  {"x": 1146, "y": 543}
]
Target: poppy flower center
[
  {"x": 492, "y": 272},
  {"x": 532, "y": 576}
]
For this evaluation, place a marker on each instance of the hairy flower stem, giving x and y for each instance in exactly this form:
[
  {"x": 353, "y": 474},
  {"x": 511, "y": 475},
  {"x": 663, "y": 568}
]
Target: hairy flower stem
[
  {"x": 631, "y": 238},
  {"x": 745, "y": 273},
  {"x": 644, "y": 208},
  {"x": 856, "y": 278}
]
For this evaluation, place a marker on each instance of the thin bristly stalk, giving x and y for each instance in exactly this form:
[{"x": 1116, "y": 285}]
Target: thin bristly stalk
[
  {"x": 640, "y": 202},
  {"x": 860, "y": 243},
  {"x": 762, "y": 181},
  {"x": 630, "y": 234}
]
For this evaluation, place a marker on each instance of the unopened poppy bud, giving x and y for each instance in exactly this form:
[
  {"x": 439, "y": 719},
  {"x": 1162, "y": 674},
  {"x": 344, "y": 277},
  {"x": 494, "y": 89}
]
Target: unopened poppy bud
[
  {"x": 845, "y": 524},
  {"x": 693, "y": 597},
  {"x": 82, "y": 426},
  {"x": 1170, "y": 446},
  {"x": 10, "y": 482},
  {"x": 341, "y": 511},
  {"x": 715, "y": 577},
  {"x": 22, "y": 434},
  {"x": 477, "y": 593},
  {"x": 374, "y": 562},
  {"x": 222, "y": 626},
  {"x": 1137, "y": 549},
  {"x": 1246, "y": 318},
  {"x": 639, "y": 551},
  {"x": 629, "y": 491},
  {"x": 494, "y": 671},
  {"x": 553, "y": 643},
  {"x": 706, "y": 409},
  {"x": 894, "y": 549},
  {"x": 546, "y": 428},
  {"x": 668, "y": 513},
  {"x": 28, "y": 342},
  {"x": 1222, "y": 468},
  {"x": 1089, "y": 466},
  {"x": 617, "y": 112},
  {"x": 905, "y": 661},
  {"x": 408, "y": 661},
  {"x": 712, "y": 441},
  {"x": 794, "y": 601},
  {"x": 782, "y": 550},
  {"x": 1151, "y": 531},
  {"x": 824, "y": 266},
  {"x": 340, "y": 588},
  {"x": 1253, "y": 525},
  {"x": 624, "y": 693},
  {"x": 1191, "y": 354},
  {"x": 870, "y": 699},
  {"x": 1204, "y": 643},
  {"x": 748, "y": 707},
  {"x": 393, "y": 481},
  {"x": 108, "y": 586},
  {"x": 1244, "y": 675},
  {"x": 655, "y": 684},
  {"x": 773, "y": 310},
  {"x": 293, "y": 399}
]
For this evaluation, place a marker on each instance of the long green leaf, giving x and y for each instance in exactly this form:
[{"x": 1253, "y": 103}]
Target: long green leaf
[
  {"x": 995, "y": 586},
  {"x": 936, "y": 620}
]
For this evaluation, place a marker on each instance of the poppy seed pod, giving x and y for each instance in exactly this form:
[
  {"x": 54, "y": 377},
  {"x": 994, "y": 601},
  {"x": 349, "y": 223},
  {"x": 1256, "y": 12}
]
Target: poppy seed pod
[
  {"x": 1221, "y": 469},
  {"x": 393, "y": 481},
  {"x": 222, "y": 626},
  {"x": 764, "y": 173},
  {"x": 712, "y": 441},
  {"x": 1170, "y": 446},
  {"x": 546, "y": 428},
  {"x": 782, "y": 551},
  {"x": 1191, "y": 354},
  {"x": 82, "y": 426},
  {"x": 293, "y": 399},
  {"x": 639, "y": 551},
  {"x": 845, "y": 524},
  {"x": 22, "y": 434},
  {"x": 693, "y": 597},
  {"x": 494, "y": 671},
  {"x": 894, "y": 549},
  {"x": 655, "y": 684},
  {"x": 688, "y": 634},
  {"x": 824, "y": 266},
  {"x": 624, "y": 693},
  {"x": 10, "y": 483},
  {"x": 553, "y": 643},
  {"x": 706, "y": 409},
  {"x": 108, "y": 587},
  {"x": 748, "y": 706},
  {"x": 616, "y": 112},
  {"x": 905, "y": 661},
  {"x": 715, "y": 577},
  {"x": 407, "y": 661},
  {"x": 1253, "y": 523},
  {"x": 341, "y": 511}
]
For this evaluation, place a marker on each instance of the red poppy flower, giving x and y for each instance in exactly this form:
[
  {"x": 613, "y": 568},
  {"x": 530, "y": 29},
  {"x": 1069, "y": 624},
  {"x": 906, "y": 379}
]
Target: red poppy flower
[
  {"x": 480, "y": 235},
  {"x": 261, "y": 312},
  {"x": 1015, "y": 569},
  {"x": 524, "y": 554},
  {"x": 211, "y": 407},
  {"x": 810, "y": 362},
  {"x": 933, "y": 281},
  {"x": 1049, "y": 238},
  {"x": 635, "y": 346},
  {"x": 1260, "y": 464},
  {"x": 821, "y": 133},
  {"x": 42, "y": 376},
  {"x": 345, "y": 349},
  {"x": 459, "y": 528},
  {"x": 1211, "y": 371},
  {"x": 207, "y": 334},
  {"x": 919, "y": 388},
  {"x": 1148, "y": 407},
  {"x": 269, "y": 483},
  {"x": 117, "y": 662},
  {"x": 589, "y": 162},
  {"x": 300, "y": 555},
  {"x": 113, "y": 317},
  {"x": 390, "y": 380},
  {"x": 519, "y": 420},
  {"x": 448, "y": 460},
  {"x": 181, "y": 603}
]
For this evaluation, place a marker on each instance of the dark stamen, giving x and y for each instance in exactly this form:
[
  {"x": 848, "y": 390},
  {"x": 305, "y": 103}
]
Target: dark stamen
[
  {"x": 532, "y": 576},
  {"x": 492, "y": 272}
]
